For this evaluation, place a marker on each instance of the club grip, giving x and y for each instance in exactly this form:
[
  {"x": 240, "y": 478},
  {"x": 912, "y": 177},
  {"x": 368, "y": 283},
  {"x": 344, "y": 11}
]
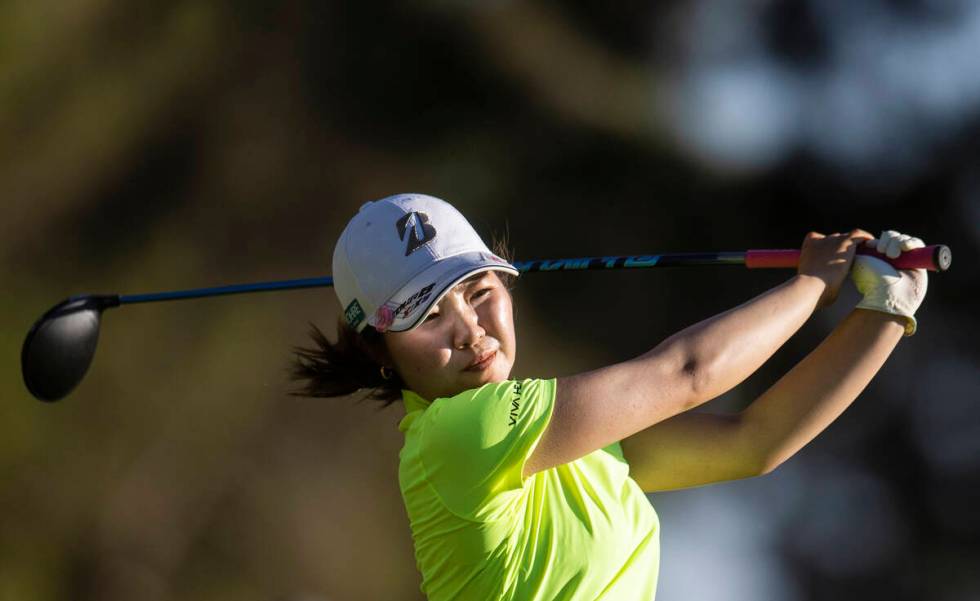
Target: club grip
[{"x": 935, "y": 257}]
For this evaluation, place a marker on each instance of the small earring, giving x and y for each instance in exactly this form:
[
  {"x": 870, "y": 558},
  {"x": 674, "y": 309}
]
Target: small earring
[{"x": 389, "y": 375}]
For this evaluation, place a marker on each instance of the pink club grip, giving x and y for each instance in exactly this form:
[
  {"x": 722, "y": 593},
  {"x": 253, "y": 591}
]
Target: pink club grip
[{"x": 936, "y": 257}]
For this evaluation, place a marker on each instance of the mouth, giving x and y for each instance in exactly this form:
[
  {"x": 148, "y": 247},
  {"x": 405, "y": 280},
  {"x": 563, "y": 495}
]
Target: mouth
[{"x": 482, "y": 362}]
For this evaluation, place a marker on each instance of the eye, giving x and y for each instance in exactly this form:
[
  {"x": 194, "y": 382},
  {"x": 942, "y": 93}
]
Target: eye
[
  {"x": 430, "y": 316},
  {"x": 480, "y": 293}
]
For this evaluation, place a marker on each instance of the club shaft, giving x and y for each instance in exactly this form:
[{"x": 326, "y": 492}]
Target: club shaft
[
  {"x": 231, "y": 289},
  {"x": 935, "y": 258}
]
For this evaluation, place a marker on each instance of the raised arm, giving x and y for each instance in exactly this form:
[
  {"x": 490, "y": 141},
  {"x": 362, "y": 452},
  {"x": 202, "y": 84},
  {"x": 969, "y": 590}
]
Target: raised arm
[
  {"x": 694, "y": 449},
  {"x": 819, "y": 388},
  {"x": 606, "y": 405}
]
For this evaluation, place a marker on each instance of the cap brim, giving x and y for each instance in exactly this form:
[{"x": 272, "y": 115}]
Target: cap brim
[{"x": 414, "y": 300}]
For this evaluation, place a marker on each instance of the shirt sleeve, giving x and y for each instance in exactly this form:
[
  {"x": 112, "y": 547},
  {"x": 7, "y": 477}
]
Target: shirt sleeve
[{"x": 474, "y": 445}]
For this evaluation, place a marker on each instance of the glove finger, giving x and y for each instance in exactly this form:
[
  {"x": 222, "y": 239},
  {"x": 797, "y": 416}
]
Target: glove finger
[
  {"x": 894, "y": 248},
  {"x": 901, "y": 240},
  {"x": 913, "y": 243},
  {"x": 886, "y": 236}
]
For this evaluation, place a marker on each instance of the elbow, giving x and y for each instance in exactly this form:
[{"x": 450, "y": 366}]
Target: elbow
[
  {"x": 684, "y": 368},
  {"x": 766, "y": 467},
  {"x": 698, "y": 383},
  {"x": 769, "y": 463}
]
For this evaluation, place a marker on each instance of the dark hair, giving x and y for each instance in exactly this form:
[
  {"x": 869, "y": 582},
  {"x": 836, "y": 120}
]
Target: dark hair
[{"x": 353, "y": 363}]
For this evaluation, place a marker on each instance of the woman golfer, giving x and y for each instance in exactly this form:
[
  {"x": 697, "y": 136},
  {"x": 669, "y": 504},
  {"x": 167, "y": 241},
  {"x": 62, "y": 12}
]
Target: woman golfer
[{"x": 533, "y": 488}]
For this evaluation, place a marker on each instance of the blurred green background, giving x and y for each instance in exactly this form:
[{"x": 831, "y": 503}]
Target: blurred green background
[{"x": 169, "y": 145}]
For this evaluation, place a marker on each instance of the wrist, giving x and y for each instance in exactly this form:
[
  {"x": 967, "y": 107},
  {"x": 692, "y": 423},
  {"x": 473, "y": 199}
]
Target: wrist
[
  {"x": 890, "y": 321},
  {"x": 812, "y": 283}
]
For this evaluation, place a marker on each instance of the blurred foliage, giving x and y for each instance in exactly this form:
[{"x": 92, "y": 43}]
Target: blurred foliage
[{"x": 160, "y": 146}]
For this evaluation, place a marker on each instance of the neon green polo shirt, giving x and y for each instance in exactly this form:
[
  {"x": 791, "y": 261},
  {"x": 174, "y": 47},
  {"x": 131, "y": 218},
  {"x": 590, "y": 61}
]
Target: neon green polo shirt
[{"x": 579, "y": 531}]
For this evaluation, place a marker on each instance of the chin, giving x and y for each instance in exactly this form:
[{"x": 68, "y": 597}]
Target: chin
[{"x": 495, "y": 374}]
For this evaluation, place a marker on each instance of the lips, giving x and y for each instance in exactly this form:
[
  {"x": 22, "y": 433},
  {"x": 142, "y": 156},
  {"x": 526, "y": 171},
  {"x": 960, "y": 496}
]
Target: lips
[{"x": 482, "y": 362}]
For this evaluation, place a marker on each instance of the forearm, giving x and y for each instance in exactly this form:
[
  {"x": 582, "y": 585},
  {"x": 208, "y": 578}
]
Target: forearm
[
  {"x": 720, "y": 352},
  {"x": 820, "y": 387}
]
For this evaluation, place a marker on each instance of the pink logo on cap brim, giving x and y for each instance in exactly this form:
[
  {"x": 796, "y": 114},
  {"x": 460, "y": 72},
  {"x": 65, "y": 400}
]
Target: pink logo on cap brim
[{"x": 383, "y": 318}]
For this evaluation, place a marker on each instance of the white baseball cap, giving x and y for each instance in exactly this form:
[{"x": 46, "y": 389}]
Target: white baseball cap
[{"x": 400, "y": 255}]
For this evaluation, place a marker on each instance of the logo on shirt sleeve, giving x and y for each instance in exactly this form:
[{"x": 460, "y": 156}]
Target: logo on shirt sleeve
[{"x": 515, "y": 403}]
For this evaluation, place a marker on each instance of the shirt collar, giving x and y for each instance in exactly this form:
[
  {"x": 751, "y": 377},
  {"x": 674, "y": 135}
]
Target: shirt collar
[
  {"x": 413, "y": 405},
  {"x": 414, "y": 402}
]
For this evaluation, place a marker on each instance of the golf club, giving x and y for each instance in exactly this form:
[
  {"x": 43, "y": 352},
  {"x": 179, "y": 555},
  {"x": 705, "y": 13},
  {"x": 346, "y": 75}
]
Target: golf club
[{"x": 60, "y": 345}]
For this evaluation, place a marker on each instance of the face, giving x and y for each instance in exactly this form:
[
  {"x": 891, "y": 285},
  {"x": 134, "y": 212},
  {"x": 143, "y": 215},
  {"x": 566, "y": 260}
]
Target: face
[{"x": 472, "y": 319}]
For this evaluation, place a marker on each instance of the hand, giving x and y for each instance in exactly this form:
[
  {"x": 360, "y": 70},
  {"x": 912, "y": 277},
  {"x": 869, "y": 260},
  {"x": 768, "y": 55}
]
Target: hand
[
  {"x": 829, "y": 259},
  {"x": 899, "y": 292}
]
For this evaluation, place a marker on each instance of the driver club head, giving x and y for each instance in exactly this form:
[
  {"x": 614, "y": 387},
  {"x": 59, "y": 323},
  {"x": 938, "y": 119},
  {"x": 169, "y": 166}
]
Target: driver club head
[{"x": 59, "y": 347}]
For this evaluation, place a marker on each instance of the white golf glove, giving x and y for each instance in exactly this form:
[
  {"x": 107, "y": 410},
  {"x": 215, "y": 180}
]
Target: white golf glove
[{"x": 895, "y": 291}]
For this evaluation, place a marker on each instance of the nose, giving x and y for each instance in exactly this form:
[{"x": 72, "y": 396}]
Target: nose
[{"x": 466, "y": 327}]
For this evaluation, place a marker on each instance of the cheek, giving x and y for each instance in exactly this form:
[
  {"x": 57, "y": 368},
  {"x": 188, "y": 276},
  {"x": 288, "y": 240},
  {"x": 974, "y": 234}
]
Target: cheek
[
  {"x": 441, "y": 357},
  {"x": 500, "y": 314},
  {"x": 428, "y": 358},
  {"x": 418, "y": 353}
]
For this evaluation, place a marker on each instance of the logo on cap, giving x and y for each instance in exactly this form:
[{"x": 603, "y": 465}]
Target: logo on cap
[
  {"x": 354, "y": 313},
  {"x": 383, "y": 318},
  {"x": 419, "y": 231},
  {"x": 412, "y": 303}
]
